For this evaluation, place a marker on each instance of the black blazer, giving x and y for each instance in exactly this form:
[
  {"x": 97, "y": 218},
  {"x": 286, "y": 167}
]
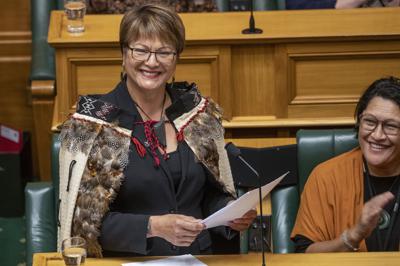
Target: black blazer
[{"x": 149, "y": 190}]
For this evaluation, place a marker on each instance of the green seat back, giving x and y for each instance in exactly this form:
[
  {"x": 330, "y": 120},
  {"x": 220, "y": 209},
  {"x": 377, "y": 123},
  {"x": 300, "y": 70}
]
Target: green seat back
[
  {"x": 41, "y": 227},
  {"x": 317, "y": 146},
  {"x": 313, "y": 147},
  {"x": 41, "y": 204},
  {"x": 55, "y": 150}
]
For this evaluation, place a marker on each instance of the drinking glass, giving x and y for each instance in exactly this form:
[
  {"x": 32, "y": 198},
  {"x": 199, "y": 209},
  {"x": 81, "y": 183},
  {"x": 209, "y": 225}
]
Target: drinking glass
[
  {"x": 75, "y": 11},
  {"x": 73, "y": 250}
]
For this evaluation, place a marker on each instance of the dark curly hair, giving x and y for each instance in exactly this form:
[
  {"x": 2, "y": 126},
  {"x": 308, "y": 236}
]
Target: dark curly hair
[{"x": 387, "y": 88}]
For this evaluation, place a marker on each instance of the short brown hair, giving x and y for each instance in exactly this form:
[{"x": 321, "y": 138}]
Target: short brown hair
[{"x": 152, "y": 21}]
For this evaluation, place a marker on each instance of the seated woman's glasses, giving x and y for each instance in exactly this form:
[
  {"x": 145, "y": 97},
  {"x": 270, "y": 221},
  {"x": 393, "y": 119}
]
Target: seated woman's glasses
[
  {"x": 369, "y": 123},
  {"x": 162, "y": 56}
]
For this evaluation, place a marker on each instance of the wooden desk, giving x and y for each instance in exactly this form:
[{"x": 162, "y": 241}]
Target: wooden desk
[{"x": 331, "y": 259}]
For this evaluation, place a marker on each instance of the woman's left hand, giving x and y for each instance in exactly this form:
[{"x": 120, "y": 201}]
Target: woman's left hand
[{"x": 242, "y": 223}]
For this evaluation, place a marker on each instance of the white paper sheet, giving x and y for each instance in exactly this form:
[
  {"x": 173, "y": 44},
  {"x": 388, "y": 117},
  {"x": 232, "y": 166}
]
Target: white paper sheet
[
  {"x": 183, "y": 260},
  {"x": 240, "y": 206}
]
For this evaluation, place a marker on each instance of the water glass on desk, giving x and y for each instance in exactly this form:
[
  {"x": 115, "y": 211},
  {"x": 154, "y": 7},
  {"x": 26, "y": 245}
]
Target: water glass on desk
[
  {"x": 73, "y": 250},
  {"x": 75, "y": 11}
]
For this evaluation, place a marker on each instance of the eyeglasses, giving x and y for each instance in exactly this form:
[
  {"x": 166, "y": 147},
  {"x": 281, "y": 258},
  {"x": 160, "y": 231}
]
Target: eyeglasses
[
  {"x": 164, "y": 57},
  {"x": 369, "y": 123}
]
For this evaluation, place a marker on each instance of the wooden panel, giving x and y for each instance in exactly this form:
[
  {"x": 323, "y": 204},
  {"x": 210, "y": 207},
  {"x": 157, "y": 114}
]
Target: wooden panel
[
  {"x": 15, "y": 17},
  {"x": 376, "y": 45},
  {"x": 96, "y": 77},
  {"x": 326, "y": 79},
  {"x": 300, "y": 111},
  {"x": 15, "y": 60},
  {"x": 262, "y": 142},
  {"x": 225, "y": 97},
  {"x": 282, "y": 81},
  {"x": 84, "y": 71},
  {"x": 14, "y": 70},
  {"x": 359, "y": 70},
  {"x": 14, "y": 108},
  {"x": 338, "y": 72},
  {"x": 261, "y": 137},
  {"x": 209, "y": 68},
  {"x": 252, "y": 80},
  {"x": 43, "y": 112},
  {"x": 198, "y": 72}
]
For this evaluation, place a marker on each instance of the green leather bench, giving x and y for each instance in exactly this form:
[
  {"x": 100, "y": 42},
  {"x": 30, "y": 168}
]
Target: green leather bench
[{"x": 41, "y": 206}]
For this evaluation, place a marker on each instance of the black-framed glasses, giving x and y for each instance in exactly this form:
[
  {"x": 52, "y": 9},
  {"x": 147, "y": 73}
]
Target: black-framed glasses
[
  {"x": 140, "y": 54},
  {"x": 369, "y": 123}
]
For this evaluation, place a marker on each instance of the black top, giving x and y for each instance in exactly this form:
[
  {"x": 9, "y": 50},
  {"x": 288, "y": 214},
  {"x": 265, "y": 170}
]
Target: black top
[
  {"x": 174, "y": 165},
  {"x": 379, "y": 185},
  {"x": 150, "y": 190}
]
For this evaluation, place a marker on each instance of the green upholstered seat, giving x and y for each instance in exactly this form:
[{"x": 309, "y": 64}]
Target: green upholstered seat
[
  {"x": 284, "y": 205},
  {"x": 317, "y": 146},
  {"x": 41, "y": 210},
  {"x": 41, "y": 229},
  {"x": 313, "y": 147}
]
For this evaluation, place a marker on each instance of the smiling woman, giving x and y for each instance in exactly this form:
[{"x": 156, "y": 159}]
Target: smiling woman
[
  {"x": 351, "y": 202},
  {"x": 144, "y": 164},
  {"x": 379, "y": 136},
  {"x": 378, "y": 124}
]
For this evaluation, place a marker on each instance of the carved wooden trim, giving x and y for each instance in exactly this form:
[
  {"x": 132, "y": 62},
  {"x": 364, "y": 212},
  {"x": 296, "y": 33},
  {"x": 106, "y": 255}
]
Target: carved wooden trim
[
  {"x": 73, "y": 64},
  {"x": 270, "y": 122},
  {"x": 293, "y": 59},
  {"x": 42, "y": 88}
]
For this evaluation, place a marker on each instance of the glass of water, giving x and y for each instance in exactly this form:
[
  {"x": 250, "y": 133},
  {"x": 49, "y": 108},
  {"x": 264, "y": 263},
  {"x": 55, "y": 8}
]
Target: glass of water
[
  {"x": 73, "y": 250},
  {"x": 75, "y": 11}
]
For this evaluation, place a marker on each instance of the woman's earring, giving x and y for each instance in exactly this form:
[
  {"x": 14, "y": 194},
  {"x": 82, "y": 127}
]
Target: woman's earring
[{"x": 123, "y": 73}]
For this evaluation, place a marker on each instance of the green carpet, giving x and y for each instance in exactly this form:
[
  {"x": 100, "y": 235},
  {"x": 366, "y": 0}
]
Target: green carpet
[{"x": 12, "y": 241}]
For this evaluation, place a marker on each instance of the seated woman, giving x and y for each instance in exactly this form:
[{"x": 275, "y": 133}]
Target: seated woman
[
  {"x": 141, "y": 166},
  {"x": 351, "y": 202}
]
